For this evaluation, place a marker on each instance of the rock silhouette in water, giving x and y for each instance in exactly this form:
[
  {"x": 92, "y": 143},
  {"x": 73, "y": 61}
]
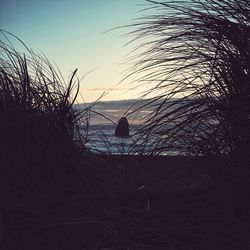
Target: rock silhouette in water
[{"x": 122, "y": 128}]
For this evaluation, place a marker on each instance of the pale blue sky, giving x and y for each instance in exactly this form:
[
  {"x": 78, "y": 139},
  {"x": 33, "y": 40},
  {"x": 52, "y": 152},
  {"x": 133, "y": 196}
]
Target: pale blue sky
[{"x": 73, "y": 34}]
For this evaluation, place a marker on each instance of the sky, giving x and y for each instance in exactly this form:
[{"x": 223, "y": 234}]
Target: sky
[{"x": 77, "y": 34}]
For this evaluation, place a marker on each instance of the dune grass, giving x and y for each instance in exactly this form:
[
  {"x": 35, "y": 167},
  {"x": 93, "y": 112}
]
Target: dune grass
[
  {"x": 55, "y": 195},
  {"x": 196, "y": 60},
  {"x": 39, "y": 126},
  {"x": 54, "y": 192}
]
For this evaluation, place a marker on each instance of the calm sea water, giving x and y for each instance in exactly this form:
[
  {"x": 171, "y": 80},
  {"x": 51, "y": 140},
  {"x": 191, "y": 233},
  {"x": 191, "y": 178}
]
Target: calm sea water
[
  {"x": 103, "y": 119},
  {"x": 101, "y": 139}
]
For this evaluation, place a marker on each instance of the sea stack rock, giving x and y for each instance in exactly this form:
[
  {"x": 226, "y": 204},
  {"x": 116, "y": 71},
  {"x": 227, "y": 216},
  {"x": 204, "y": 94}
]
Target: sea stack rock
[{"x": 122, "y": 128}]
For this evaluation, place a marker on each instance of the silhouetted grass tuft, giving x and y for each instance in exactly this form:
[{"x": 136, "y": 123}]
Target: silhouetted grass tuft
[
  {"x": 196, "y": 59},
  {"x": 39, "y": 126}
]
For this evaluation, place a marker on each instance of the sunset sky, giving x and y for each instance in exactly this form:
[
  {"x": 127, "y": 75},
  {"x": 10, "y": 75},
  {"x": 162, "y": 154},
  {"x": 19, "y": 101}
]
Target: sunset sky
[{"x": 73, "y": 34}]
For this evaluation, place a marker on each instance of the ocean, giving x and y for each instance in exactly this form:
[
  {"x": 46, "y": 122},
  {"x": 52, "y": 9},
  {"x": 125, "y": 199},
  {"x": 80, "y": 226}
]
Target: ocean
[
  {"x": 101, "y": 139},
  {"x": 103, "y": 118}
]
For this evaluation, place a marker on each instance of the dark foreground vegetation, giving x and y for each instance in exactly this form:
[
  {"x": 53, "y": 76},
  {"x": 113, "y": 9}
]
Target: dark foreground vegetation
[{"x": 55, "y": 194}]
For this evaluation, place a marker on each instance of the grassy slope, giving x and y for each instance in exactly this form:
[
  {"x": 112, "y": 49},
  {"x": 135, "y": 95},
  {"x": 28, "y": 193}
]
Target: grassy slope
[{"x": 55, "y": 195}]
